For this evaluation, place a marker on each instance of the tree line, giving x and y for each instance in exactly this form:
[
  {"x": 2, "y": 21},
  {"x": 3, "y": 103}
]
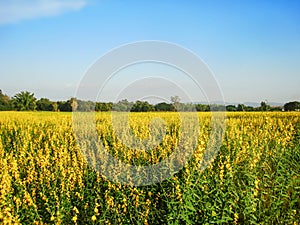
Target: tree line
[{"x": 26, "y": 101}]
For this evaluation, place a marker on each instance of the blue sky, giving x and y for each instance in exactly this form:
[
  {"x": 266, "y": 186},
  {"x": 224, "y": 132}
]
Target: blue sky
[{"x": 253, "y": 47}]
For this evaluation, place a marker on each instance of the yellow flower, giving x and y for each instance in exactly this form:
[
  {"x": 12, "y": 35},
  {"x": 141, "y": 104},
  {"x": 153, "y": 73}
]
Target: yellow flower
[
  {"x": 148, "y": 202},
  {"x": 213, "y": 213},
  {"x": 236, "y": 218},
  {"x": 75, "y": 210},
  {"x": 74, "y": 218},
  {"x": 94, "y": 218}
]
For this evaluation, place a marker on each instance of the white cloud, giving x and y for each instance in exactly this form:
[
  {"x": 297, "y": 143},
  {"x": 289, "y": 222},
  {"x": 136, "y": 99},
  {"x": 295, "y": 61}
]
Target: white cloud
[{"x": 12, "y": 11}]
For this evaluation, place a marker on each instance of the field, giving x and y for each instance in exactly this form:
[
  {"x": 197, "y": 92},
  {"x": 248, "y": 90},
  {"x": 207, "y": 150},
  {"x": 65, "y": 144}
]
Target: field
[{"x": 254, "y": 178}]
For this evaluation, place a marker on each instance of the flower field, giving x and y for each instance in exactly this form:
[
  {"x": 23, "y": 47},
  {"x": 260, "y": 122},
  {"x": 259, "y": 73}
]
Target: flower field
[{"x": 254, "y": 178}]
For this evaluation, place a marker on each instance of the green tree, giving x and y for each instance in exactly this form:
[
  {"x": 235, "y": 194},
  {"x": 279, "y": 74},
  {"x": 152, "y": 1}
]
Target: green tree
[
  {"x": 202, "y": 108},
  {"x": 241, "y": 107},
  {"x": 123, "y": 106},
  {"x": 5, "y": 102},
  {"x": 249, "y": 108},
  {"x": 103, "y": 106},
  {"x": 24, "y": 101},
  {"x": 231, "y": 108},
  {"x": 276, "y": 108},
  {"x": 162, "y": 106},
  {"x": 292, "y": 106},
  {"x": 65, "y": 106},
  {"x": 44, "y": 104},
  {"x": 140, "y": 106},
  {"x": 264, "y": 106}
]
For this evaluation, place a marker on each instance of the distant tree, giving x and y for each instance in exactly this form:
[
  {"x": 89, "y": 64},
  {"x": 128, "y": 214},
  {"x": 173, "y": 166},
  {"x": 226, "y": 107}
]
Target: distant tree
[
  {"x": 241, "y": 107},
  {"x": 231, "y": 108},
  {"x": 249, "y": 108},
  {"x": 140, "y": 106},
  {"x": 109, "y": 106},
  {"x": 276, "y": 108},
  {"x": 103, "y": 106},
  {"x": 162, "y": 106},
  {"x": 217, "y": 107},
  {"x": 264, "y": 106},
  {"x": 55, "y": 106},
  {"x": 176, "y": 102},
  {"x": 292, "y": 106},
  {"x": 44, "y": 104},
  {"x": 5, "y": 102},
  {"x": 202, "y": 108},
  {"x": 123, "y": 105},
  {"x": 70, "y": 105},
  {"x": 24, "y": 101},
  {"x": 64, "y": 106},
  {"x": 85, "y": 106},
  {"x": 179, "y": 106},
  {"x": 74, "y": 104},
  {"x": 188, "y": 107}
]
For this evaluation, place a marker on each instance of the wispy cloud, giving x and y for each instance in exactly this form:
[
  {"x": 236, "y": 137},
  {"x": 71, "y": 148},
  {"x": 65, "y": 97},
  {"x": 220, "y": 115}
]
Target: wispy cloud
[{"x": 12, "y": 11}]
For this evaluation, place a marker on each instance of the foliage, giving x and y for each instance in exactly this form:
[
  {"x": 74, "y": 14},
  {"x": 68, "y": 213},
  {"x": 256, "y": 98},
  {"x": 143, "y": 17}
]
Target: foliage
[
  {"x": 231, "y": 108},
  {"x": 44, "y": 104},
  {"x": 162, "y": 106},
  {"x": 140, "y": 106},
  {"x": 122, "y": 106},
  {"x": 64, "y": 106},
  {"x": 264, "y": 106},
  {"x": 292, "y": 106},
  {"x": 241, "y": 107},
  {"x": 24, "y": 101},
  {"x": 5, "y": 102},
  {"x": 202, "y": 108},
  {"x": 103, "y": 106},
  {"x": 254, "y": 179}
]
